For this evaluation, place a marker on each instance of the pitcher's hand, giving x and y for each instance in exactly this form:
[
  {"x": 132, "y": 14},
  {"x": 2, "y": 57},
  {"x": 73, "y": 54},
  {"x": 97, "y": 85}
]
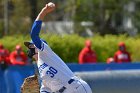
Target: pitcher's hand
[{"x": 49, "y": 7}]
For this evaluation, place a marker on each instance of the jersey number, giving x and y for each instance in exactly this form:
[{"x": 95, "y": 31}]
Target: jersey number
[{"x": 52, "y": 71}]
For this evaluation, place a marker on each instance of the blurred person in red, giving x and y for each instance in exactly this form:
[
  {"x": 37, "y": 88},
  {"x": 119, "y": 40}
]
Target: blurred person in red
[
  {"x": 18, "y": 57},
  {"x": 110, "y": 60},
  {"x": 4, "y": 57},
  {"x": 87, "y": 55},
  {"x": 122, "y": 55}
]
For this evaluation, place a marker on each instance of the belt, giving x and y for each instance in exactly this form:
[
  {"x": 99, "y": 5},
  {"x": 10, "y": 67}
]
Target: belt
[
  {"x": 63, "y": 88},
  {"x": 70, "y": 81}
]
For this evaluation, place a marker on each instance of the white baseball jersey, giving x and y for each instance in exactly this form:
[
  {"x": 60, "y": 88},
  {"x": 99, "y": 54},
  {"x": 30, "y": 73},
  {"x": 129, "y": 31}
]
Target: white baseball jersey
[{"x": 53, "y": 71}]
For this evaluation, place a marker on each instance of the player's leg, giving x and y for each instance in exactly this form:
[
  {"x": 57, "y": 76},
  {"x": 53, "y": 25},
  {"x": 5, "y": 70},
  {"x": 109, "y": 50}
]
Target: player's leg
[
  {"x": 83, "y": 88},
  {"x": 44, "y": 90},
  {"x": 78, "y": 86}
]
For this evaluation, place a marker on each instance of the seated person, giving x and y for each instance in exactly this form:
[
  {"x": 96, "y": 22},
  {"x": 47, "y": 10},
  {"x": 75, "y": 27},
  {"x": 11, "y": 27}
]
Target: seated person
[
  {"x": 4, "y": 57},
  {"x": 122, "y": 55},
  {"x": 87, "y": 55},
  {"x": 18, "y": 57}
]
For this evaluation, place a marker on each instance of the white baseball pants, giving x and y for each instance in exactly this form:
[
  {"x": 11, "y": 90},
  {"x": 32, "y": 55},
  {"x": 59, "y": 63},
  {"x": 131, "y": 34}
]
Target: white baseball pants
[{"x": 77, "y": 86}]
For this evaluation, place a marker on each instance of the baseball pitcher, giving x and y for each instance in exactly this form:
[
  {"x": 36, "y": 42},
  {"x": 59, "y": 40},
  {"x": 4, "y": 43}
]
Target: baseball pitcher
[{"x": 55, "y": 75}]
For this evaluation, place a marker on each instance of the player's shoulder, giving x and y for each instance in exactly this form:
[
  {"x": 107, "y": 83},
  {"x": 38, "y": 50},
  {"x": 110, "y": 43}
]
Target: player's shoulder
[{"x": 45, "y": 46}]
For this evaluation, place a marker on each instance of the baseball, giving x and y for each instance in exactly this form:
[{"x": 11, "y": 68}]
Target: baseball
[{"x": 50, "y": 4}]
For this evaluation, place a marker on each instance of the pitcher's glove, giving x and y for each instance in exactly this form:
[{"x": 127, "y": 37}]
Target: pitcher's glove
[{"x": 30, "y": 85}]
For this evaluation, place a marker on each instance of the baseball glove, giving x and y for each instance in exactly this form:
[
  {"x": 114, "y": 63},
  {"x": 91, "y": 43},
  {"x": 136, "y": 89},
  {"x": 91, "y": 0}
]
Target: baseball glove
[{"x": 30, "y": 85}]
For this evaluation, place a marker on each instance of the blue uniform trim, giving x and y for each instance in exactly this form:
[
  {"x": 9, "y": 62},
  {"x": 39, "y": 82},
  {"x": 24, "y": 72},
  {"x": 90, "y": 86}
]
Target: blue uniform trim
[
  {"x": 44, "y": 92},
  {"x": 83, "y": 87},
  {"x": 35, "y": 34},
  {"x": 42, "y": 47}
]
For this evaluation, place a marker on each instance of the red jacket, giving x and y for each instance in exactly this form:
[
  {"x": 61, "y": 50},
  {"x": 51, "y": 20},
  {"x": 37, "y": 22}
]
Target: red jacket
[
  {"x": 122, "y": 57},
  {"x": 4, "y": 56},
  {"x": 87, "y": 56},
  {"x": 16, "y": 59}
]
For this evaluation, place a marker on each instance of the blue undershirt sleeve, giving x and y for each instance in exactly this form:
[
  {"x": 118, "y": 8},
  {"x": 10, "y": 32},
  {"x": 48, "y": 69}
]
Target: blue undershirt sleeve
[{"x": 35, "y": 33}]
